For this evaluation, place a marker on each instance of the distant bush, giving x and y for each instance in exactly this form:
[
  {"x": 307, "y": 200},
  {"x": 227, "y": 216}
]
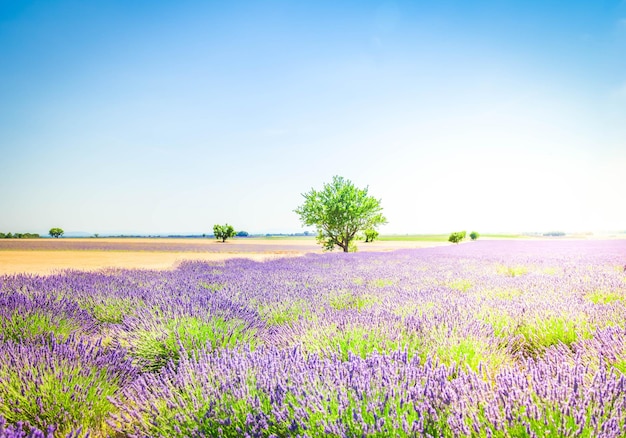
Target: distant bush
[
  {"x": 474, "y": 235},
  {"x": 554, "y": 234},
  {"x": 370, "y": 235},
  {"x": 457, "y": 236},
  {"x": 242, "y": 234},
  {"x": 19, "y": 236}
]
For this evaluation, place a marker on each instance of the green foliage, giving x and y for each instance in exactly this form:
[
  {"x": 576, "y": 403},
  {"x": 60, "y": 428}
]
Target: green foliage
[
  {"x": 602, "y": 297},
  {"x": 351, "y": 301},
  {"x": 223, "y": 231},
  {"x": 111, "y": 312},
  {"x": 532, "y": 336},
  {"x": 154, "y": 348},
  {"x": 242, "y": 234},
  {"x": 56, "y": 232},
  {"x": 370, "y": 235},
  {"x": 381, "y": 282},
  {"x": 474, "y": 235},
  {"x": 340, "y": 211},
  {"x": 512, "y": 271},
  {"x": 470, "y": 352},
  {"x": 19, "y": 236},
  {"x": 456, "y": 237},
  {"x": 213, "y": 287},
  {"x": 461, "y": 285},
  {"x": 507, "y": 294},
  {"x": 21, "y": 327},
  {"x": 284, "y": 313},
  {"x": 359, "y": 341}
]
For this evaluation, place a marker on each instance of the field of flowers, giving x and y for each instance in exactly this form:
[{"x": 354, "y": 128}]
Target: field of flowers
[
  {"x": 158, "y": 244},
  {"x": 489, "y": 338}
]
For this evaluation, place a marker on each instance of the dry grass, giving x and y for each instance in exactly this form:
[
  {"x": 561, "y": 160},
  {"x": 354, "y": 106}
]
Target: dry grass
[
  {"x": 47, "y": 256},
  {"x": 48, "y": 262}
]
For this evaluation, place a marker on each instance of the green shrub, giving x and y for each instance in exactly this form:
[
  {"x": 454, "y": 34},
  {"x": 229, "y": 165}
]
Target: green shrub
[{"x": 456, "y": 237}]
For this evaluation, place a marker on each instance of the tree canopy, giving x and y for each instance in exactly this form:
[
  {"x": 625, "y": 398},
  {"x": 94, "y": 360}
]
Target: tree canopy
[
  {"x": 339, "y": 211},
  {"x": 370, "y": 235},
  {"x": 223, "y": 231},
  {"x": 457, "y": 236},
  {"x": 19, "y": 235},
  {"x": 56, "y": 232}
]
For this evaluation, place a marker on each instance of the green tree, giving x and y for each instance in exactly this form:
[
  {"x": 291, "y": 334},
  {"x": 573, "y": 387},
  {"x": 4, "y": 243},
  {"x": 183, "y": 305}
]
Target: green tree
[
  {"x": 370, "y": 235},
  {"x": 56, "y": 232},
  {"x": 474, "y": 235},
  {"x": 339, "y": 211},
  {"x": 223, "y": 231},
  {"x": 457, "y": 236}
]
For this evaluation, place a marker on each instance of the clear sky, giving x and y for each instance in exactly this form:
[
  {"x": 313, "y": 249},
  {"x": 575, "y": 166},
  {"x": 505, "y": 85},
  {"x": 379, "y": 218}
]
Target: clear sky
[{"x": 170, "y": 116}]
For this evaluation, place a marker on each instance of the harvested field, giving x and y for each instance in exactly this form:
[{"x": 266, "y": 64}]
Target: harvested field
[{"x": 46, "y": 256}]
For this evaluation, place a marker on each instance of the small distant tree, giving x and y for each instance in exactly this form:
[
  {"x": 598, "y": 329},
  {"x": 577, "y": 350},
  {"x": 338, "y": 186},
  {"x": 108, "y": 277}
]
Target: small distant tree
[
  {"x": 242, "y": 234},
  {"x": 340, "y": 211},
  {"x": 223, "y": 231},
  {"x": 474, "y": 235},
  {"x": 554, "y": 234},
  {"x": 456, "y": 237},
  {"x": 370, "y": 235},
  {"x": 56, "y": 232}
]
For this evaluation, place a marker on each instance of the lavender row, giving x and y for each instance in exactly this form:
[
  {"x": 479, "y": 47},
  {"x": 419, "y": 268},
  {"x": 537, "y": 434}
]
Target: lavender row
[
  {"x": 479, "y": 315},
  {"x": 196, "y": 246},
  {"x": 272, "y": 392}
]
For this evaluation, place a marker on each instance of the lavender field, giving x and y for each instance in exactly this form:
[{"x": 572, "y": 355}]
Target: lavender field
[{"x": 488, "y": 338}]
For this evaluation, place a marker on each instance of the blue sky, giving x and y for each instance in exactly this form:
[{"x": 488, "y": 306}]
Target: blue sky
[{"x": 169, "y": 117}]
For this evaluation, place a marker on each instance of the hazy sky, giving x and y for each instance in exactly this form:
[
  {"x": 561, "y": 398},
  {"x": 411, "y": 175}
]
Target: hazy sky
[{"x": 171, "y": 116}]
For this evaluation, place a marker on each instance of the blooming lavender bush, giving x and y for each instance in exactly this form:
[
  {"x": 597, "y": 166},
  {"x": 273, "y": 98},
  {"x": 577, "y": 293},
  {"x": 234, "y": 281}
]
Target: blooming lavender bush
[
  {"x": 63, "y": 384},
  {"x": 492, "y": 338}
]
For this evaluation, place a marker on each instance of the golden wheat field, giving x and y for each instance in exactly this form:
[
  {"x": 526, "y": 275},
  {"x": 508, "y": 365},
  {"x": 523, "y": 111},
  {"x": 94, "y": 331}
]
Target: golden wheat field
[{"x": 47, "y": 256}]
